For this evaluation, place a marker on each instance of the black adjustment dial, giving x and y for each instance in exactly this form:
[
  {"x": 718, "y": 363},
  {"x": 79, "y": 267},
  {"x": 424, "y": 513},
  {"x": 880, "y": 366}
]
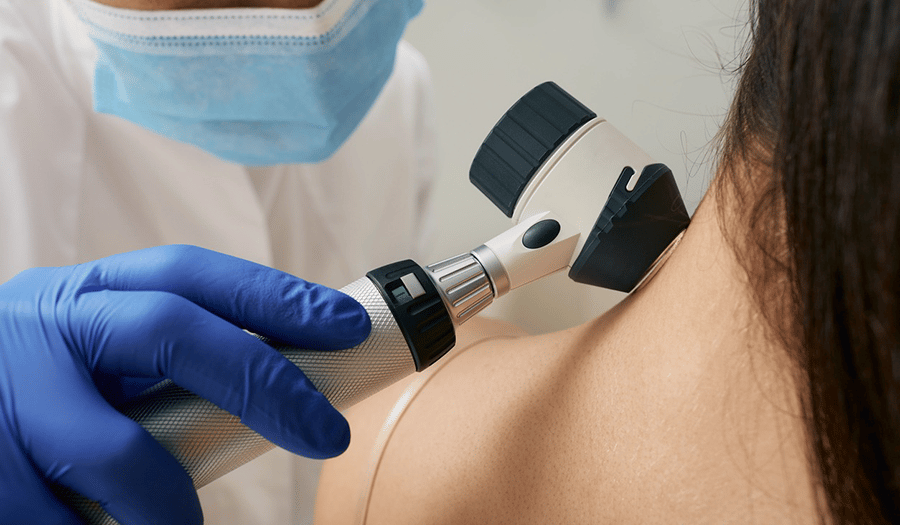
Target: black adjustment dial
[
  {"x": 418, "y": 310},
  {"x": 522, "y": 140}
]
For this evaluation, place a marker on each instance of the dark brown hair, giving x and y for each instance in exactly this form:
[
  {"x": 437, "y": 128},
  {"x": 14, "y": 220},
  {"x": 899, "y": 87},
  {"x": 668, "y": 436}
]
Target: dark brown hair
[{"x": 815, "y": 119}]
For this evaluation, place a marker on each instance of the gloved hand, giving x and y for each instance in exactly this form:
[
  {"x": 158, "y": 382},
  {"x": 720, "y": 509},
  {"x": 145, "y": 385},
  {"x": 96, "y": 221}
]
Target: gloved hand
[{"x": 76, "y": 340}]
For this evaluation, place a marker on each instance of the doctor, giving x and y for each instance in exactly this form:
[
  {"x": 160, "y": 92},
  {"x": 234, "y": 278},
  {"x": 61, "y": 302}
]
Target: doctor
[{"x": 295, "y": 134}]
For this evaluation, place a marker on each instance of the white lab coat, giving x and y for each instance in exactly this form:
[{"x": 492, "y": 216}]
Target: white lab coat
[{"x": 76, "y": 186}]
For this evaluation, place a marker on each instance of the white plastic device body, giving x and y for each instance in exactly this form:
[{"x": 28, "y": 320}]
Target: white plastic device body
[{"x": 587, "y": 166}]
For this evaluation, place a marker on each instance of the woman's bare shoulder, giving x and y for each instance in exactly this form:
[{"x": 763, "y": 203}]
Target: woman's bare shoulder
[
  {"x": 468, "y": 440},
  {"x": 345, "y": 481},
  {"x": 579, "y": 426}
]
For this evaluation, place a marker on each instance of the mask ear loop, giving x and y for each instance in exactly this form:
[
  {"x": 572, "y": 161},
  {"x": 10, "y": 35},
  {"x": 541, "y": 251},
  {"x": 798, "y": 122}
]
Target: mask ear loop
[
  {"x": 392, "y": 421},
  {"x": 384, "y": 437},
  {"x": 659, "y": 262}
]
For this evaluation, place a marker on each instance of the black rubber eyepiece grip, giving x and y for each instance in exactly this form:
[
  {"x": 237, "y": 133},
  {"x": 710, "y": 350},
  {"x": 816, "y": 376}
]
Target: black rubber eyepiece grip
[{"x": 522, "y": 140}]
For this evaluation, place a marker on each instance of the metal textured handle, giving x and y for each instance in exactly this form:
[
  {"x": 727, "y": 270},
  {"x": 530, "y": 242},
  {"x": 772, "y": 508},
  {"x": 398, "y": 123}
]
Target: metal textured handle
[{"x": 209, "y": 442}]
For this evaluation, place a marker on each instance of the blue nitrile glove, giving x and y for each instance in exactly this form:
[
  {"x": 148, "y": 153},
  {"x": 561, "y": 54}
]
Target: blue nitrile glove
[{"x": 73, "y": 340}]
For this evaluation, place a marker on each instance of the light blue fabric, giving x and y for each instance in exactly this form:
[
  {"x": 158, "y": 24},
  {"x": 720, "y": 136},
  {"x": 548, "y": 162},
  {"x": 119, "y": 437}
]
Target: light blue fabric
[{"x": 254, "y": 100}]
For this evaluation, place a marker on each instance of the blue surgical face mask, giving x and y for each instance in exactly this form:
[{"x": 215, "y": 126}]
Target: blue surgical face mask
[{"x": 253, "y": 86}]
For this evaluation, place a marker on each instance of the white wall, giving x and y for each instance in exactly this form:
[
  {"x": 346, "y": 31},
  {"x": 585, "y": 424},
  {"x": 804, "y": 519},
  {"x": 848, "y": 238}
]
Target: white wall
[{"x": 653, "y": 68}]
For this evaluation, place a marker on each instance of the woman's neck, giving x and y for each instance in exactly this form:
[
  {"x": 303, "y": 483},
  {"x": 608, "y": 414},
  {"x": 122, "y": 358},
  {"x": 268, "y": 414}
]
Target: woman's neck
[{"x": 693, "y": 337}]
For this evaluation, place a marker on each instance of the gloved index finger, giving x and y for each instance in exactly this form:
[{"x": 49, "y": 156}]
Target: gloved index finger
[{"x": 255, "y": 297}]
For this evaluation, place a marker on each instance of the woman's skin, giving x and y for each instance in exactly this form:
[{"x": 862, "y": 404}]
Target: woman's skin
[
  {"x": 163, "y": 5},
  {"x": 673, "y": 407}
]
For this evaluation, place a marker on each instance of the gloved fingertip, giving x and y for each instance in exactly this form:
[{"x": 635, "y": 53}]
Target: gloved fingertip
[
  {"x": 320, "y": 430},
  {"x": 335, "y": 436},
  {"x": 351, "y": 321},
  {"x": 358, "y": 326}
]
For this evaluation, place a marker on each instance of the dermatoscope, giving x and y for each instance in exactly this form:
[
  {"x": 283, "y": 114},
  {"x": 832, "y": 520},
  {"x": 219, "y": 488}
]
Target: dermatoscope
[{"x": 582, "y": 197}]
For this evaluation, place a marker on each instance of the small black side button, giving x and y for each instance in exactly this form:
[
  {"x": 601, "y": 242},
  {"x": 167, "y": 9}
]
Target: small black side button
[{"x": 541, "y": 234}]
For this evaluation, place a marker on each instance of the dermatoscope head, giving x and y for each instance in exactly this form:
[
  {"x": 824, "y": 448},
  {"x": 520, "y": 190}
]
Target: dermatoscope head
[{"x": 584, "y": 197}]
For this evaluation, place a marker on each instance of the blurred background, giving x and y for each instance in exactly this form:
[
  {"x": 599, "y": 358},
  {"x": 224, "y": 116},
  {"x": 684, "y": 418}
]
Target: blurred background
[{"x": 658, "y": 70}]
